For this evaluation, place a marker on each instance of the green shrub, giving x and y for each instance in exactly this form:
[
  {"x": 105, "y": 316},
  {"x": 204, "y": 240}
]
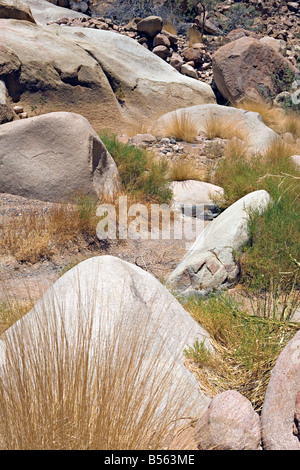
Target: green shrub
[
  {"x": 139, "y": 173},
  {"x": 246, "y": 347}
]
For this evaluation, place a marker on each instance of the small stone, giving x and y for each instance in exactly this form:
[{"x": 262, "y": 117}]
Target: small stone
[{"x": 18, "y": 109}]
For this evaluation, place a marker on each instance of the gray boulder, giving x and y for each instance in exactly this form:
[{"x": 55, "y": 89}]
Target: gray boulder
[
  {"x": 210, "y": 262},
  {"x": 54, "y": 157},
  {"x": 6, "y": 113},
  {"x": 44, "y": 11},
  {"x": 280, "y": 412}
]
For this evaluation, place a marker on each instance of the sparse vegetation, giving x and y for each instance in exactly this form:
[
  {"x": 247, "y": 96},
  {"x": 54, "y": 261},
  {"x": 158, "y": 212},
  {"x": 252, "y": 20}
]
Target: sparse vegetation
[
  {"x": 139, "y": 172},
  {"x": 275, "y": 234},
  {"x": 280, "y": 120},
  {"x": 32, "y": 236},
  {"x": 220, "y": 126},
  {"x": 183, "y": 170},
  {"x": 246, "y": 347}
]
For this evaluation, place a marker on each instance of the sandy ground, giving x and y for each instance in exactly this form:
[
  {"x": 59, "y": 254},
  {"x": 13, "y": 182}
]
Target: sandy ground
[{"x": 22, "y": 281}]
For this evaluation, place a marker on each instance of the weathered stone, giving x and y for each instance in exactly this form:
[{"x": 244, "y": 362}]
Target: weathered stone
[
  {"x": 123, "y": 309},
  {"x": 151, "y": 25},
  {"x": 246, "y": 68},
  {"x": 278, "y": 45},
  {"x": 89, "y": 70},
  {"x": 218, "y": 243},
  {"x": 280, "y": 404},
  {"x": 162, "y": 51},
  {"x": 161, "y": 40},
  {"x": 188, "y": 70},
  {"x": 230, "y": 423},
  {"x": 259, "y": 136},
  {"x": 15, "y": 9},
  {"x": 176, "y": 61},
  {"x": 54, "y": 157},
  {"x": 194, "y": 53},
  {"x": 195, "y": 192},
  {"x": 44, "y": 11}
]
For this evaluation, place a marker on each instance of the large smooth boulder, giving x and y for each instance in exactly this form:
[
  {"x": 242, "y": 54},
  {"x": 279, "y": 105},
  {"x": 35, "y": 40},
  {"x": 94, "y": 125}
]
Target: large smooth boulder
[
  {"x": 125, "y": 316},
  {"x": 229, "y": 423},
  {"x": 107, "y": 77},
  {"x": 210, "y": 262},
  {"x": 15, "y": 9},
  {"x": 280, "y": 412},
  {"x": 54, "y": 157},
  {"x": 248, "y": 68},
  {"x": 257, "y": 135}
]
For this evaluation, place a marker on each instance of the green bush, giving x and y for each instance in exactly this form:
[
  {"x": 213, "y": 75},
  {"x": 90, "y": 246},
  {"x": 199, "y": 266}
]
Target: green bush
[
  {"x": 139, "y": 173},
  {"x": 246, "y": 346}
]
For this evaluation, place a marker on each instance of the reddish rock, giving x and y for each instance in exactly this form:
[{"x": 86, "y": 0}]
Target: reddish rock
[
  {"x": 246, "y": 68},
  {"x": 151, "y": 25},
  {"x": 162, "y": 51},
  {"x": 230, "y": 423},
  {"x": 176, "y": 61},
  {"x": 194, "y": 53},
  {"x": 161, "y": 40},
  {"x": 281, "y": 405}
]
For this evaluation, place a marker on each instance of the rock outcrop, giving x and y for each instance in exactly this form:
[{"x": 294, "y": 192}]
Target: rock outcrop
[
  {"x": 15, "y": 9},
  {"x": 210, "y": 262},
  {"x": 54, "y": 157}
]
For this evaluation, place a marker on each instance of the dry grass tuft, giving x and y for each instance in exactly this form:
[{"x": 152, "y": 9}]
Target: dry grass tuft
[
  {"x": 194, "y": 36},
  {"x": 31, "y": 236},
  {"x": 278, "y": 119},
  {"x": 184, "y": 170},
  {"x": 97, "y": 389},
  {"x": 220, "y": 126},
  {"x": 182, "y": 127},
  {"x": 169, "y": 27}
]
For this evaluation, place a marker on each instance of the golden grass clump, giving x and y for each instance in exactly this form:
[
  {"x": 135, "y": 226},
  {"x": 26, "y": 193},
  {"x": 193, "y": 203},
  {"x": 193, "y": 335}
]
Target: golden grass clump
[
  {"x": 182, "y": 127},
  {"x": 183, "y": 170},
  {"x": 220, "y": 126},
  {"x": 169, "y": 27},
  {"x": 194, "y": 36},
  {"x": 31, "y": 236},
  {"x": 276, "y": 118},
  {"x": 93, "y": 388}
]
